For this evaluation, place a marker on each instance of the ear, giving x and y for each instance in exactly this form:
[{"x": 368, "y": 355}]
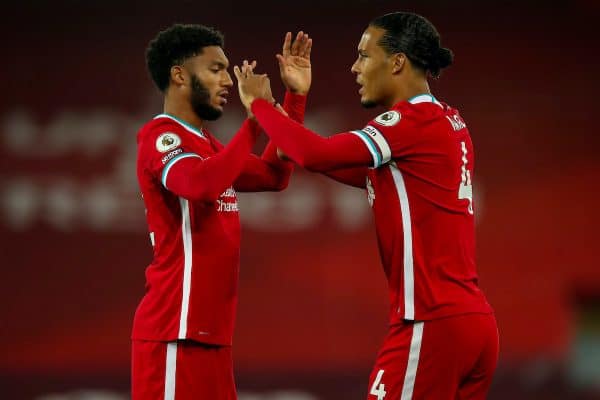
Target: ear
[
  {"x": 178, "y": 75},
  {"x": 398, "y": 62}
]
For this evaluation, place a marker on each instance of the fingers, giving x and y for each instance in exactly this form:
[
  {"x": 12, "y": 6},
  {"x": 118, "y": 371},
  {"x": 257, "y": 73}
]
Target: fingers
[
  {"x": 305, "y": 43},
  {"x": 237, "y": 72},
  {"x": 287, "y": 44},
  {"x": 301, "y": 46},
  {"x": 307, "y": 50},
  {"x": 281, "y": 60},
  {"x": 247, "y": 68},
  {"x": 296, "y": 44}
]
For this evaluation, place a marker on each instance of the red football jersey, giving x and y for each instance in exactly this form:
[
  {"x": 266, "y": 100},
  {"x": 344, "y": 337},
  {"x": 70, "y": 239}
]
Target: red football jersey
[
  {"x": 187, "y": 179},
  {"x": 191, "y": 285},
  {"x": 420, "y": 188},
  {"x": 417, "y": 159}
]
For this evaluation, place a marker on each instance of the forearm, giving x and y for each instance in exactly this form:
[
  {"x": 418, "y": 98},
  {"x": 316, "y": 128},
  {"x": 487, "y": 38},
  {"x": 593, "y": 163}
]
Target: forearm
[
  {"x": 305, "y": 147},
  {"x": 259, "y": 175},
  {"x": 270, "y": 172},
  {"x": 206, "y": 179},
  {"x": 295, "y": 106}
]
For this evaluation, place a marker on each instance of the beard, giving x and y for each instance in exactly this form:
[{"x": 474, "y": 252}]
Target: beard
[
  {"x": 368, "y": 104},
  {"x": 200, "y": 100}
]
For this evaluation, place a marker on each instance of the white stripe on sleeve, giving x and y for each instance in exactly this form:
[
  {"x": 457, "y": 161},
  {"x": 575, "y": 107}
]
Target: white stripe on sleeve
[{"x": 170, "y": 164}]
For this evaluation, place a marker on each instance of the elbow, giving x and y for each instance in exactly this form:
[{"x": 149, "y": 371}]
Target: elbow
[
  {"x": 283, "y": 178},
  {"x": 317, "y": 166},
  {"x": 281, "y": 184},
  {"x": 280, "y": 178},
  {"x": 275, "y": 185}
]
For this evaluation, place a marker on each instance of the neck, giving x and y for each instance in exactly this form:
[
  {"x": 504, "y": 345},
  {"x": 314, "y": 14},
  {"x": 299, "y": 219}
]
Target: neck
[
  {"x": 182, "y": 110},
  {"x": 408, "y": 90}
]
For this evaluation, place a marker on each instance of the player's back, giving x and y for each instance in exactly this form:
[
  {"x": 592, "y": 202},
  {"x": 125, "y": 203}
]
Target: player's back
[{"x": 422, "y": 201}]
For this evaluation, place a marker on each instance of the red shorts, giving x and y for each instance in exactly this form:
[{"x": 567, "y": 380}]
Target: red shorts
[
  {"x": 182, "y": 370},
  {"x": 444, "y": 359}
]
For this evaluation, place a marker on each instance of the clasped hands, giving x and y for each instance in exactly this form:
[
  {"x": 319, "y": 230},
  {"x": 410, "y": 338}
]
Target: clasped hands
[{"x": 294, "y": 68}]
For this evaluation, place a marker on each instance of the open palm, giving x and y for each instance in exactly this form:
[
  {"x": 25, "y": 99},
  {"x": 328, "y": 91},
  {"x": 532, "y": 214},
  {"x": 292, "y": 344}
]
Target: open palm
[{"x": 294, "y": 63}]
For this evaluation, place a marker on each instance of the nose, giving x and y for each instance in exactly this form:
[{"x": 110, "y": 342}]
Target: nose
[
  {"x": 354, "y": 68},
  {"x": 227, "y": 82}
]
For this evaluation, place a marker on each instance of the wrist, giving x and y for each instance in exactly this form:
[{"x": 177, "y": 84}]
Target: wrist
[
  {"x": 248, "y": 103},
  {"x": 252, "y": 126},
  {"x": 298, "y": 92}
]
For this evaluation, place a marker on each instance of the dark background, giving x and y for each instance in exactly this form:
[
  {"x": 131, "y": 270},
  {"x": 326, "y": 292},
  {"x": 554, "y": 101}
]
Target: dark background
[{"x": 313, "y": 300}]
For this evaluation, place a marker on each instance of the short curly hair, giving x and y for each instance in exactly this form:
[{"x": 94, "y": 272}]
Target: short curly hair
[
  {"x": 416, "y": 37},
  {"x": 174, "y": 45}
]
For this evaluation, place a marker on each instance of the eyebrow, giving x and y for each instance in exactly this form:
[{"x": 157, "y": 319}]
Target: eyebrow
[{"x": 220, "y": 64}]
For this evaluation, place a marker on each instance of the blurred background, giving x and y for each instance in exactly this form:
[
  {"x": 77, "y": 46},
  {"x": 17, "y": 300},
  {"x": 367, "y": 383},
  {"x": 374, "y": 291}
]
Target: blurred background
[{"x": 313, "y": 297}]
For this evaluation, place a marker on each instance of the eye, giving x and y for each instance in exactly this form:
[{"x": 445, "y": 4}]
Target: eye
[{"x": 217, "y": 68}]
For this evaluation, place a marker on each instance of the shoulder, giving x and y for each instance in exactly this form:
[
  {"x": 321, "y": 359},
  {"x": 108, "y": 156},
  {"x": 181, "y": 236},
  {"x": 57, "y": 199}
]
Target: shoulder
[
  {"x": 422, "y": 111},
  {"x": 162, "y": 133},
  {"x": 157, "y": 126},
  {"x": 430, "y": 117},
  {"x": 397, "y": 119},
  {"x": 159, "y": 137}
]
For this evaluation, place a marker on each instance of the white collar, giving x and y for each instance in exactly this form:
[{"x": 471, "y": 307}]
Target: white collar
[
  {"x": 186, "y": 126},
  {"x": 424, "y": 98}
]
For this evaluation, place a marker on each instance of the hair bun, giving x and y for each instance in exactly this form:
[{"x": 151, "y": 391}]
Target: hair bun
[{"x": 444, "y": 57}]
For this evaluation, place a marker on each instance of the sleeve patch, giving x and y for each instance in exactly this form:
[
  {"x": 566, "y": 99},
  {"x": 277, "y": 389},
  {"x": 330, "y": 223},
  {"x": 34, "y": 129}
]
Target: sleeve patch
[
  {"x": 389, "y": 118},
  {"x": 172, "y": 154},
  {"x": 167, "y": 141}
]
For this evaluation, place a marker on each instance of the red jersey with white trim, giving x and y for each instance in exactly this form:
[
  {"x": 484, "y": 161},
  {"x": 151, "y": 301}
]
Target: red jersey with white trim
[
  {"x": 188, "y": 181},
  {"x": 417, "y": 160},
  {"x": 421, "y": 194},
  {"x": 191, "y": 285}
]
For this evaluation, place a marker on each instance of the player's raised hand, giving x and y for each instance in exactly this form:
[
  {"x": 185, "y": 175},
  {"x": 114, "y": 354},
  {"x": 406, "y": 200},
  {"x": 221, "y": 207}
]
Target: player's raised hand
[
  {"x": 294, "y": 63},
  {"x": 251, "y": 86}
]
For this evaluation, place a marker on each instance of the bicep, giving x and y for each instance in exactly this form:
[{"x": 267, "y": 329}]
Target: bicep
[
  {"x": 343, "y": 150},
  {"x": 175, "y": 173}
]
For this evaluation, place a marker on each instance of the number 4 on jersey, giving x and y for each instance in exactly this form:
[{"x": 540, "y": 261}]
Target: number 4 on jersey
[{"x": 378, "y": 388}]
